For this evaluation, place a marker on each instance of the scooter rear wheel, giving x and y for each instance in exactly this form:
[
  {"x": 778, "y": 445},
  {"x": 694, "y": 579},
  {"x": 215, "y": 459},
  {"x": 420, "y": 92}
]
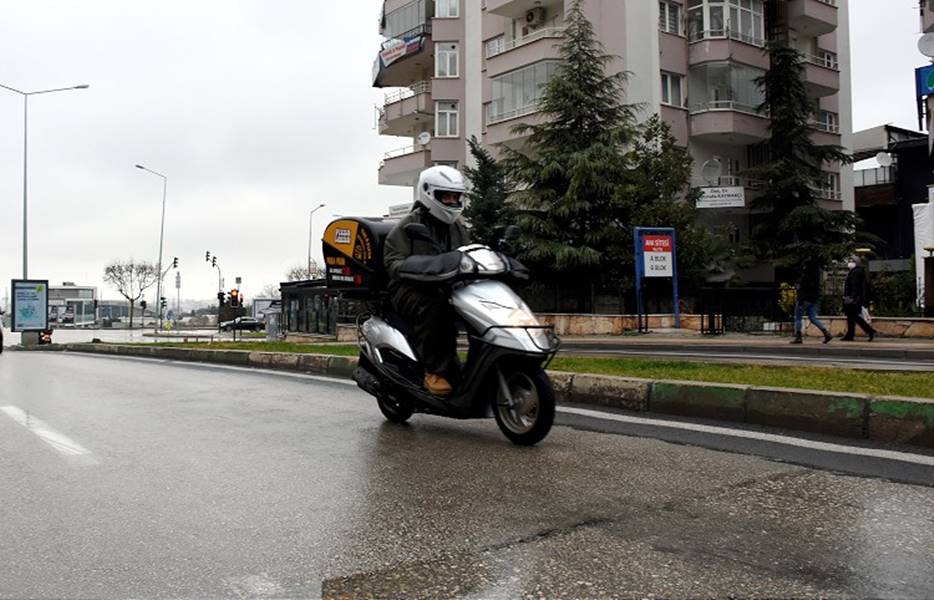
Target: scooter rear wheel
[
  {"x": 525, "y": 406},
  {"x": 394, "y": 410}
]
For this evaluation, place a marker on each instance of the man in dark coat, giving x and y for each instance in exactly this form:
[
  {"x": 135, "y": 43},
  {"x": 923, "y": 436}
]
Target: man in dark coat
[
  {"x": 424, "y": 306},
  {"x": 855, "y": 297},
  {"x": 809, "y": 285}
]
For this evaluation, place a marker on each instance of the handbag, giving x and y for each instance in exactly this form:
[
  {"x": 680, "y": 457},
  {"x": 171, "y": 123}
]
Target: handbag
[{"x": 865, "y": 314}]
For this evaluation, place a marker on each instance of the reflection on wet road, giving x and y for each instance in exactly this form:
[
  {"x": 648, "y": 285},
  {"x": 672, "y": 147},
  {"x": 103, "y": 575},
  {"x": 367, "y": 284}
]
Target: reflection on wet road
[{"x": 227, "y": 483}]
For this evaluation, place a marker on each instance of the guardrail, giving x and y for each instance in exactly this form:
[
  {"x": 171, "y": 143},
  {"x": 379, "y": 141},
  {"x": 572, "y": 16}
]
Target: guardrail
[
  {"x": 828, "y": 60},
  {"x": 404, "y": 151},
  {"x": 701, "y": 107},
  {"x": 422, "y": 87},
  {"x": 725, "y": 34}
]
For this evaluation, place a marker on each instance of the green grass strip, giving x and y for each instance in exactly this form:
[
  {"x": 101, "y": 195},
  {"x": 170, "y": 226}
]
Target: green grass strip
[{"x": 857, "y": 381}]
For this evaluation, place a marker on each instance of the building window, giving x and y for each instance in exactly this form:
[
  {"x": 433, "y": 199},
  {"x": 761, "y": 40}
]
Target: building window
[
  {"x": 446, "y": 60},
  {"x": 742, "y": 20},
  {"x": 447, "y": 9},
  {"x": 669, "y": 17},
  {"x": 725, "y": 86},
  {"x": 672, "y": 89},
  {"x": 829, "y": 188},
  {"x": 517, "y": 93},
  {"x": 496, "y": 46},
  {"x": 446, "y": 118},
  {"x": 828, "y": 121}
]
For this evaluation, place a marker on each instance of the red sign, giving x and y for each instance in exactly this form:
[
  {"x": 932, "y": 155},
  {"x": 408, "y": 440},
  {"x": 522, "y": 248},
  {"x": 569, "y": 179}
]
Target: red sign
[{"x": 656, "y": 243}]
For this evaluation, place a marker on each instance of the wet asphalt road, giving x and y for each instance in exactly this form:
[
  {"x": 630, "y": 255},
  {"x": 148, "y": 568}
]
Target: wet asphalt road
[{"x": 181, "y": 481}]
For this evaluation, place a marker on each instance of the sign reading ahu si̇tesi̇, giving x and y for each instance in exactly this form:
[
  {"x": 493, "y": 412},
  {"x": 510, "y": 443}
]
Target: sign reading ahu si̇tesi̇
[{"x": 722, "y": 197}]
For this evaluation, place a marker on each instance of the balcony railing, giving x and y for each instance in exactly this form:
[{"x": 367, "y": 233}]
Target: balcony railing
[
  {"x": 493, "y": 119},
  {"x": 832, "y": 3},
  {"x": 701, "y": 107},
  {"x": 404, "y": 151},
  {"x": 422, "y": 87},
  {"x": 538, "y": 34},
  {"x": 826, "y": 193},
  {"x": 824, "y": 126},
  {"x": 828, "y": 60},
  {"x": 732, "y": 181},
  {"x": 879, "y": 176},
  {"x": 723, "y": 34},
  {"x": 423, "y": 29}
]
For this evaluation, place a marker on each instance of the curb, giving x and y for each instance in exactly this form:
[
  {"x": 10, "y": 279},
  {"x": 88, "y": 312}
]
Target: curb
[{"x": 890, "y": 419}]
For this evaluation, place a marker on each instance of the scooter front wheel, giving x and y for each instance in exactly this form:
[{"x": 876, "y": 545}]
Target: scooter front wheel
[
  {"x": 395, "y": 410},
  {"x": 525, "y": 405}
]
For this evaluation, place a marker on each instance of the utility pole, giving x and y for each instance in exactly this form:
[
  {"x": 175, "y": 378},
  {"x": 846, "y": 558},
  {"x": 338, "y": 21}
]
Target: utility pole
[{"x": 178, "y": 295}]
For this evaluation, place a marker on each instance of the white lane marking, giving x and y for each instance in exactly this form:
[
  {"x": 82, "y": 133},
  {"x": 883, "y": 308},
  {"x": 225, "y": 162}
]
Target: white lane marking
[
  {"x": 61, "y": 443},
  {"x": 253, "y": 586},
  {"x": 919, "y": 459}
]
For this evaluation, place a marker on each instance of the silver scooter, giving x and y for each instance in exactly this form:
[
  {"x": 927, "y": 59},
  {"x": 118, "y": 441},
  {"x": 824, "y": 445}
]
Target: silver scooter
[{"x": 508, "y": 349}]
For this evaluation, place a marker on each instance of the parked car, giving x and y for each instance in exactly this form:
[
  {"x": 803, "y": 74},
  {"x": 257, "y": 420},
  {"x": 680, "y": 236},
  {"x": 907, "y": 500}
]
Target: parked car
[{"x": 242, "y": 324}]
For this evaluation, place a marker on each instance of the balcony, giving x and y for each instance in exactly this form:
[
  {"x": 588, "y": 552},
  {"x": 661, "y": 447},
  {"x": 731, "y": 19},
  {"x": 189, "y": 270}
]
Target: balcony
[
  {"x": 725, "y": 45},
  {"x": 405, "y": 60},
  {"x": 822, "y": 75},
  {"x": 402, "y": 166},
  {"x": 542, "y": 44},
  {"x": 516, "y": 9},
  {"x": 812, "y": 18},
  {"x": 871, "y": 177},
  {"x": 728, "y": 122},
  {"x": 499, "y": 127},
  {"x": 824, "y": 133},
  {"x": 404, "y": 112}
]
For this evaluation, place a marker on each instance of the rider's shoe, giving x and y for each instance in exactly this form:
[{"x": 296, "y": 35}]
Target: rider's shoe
[{"x": 437, "y": 384}]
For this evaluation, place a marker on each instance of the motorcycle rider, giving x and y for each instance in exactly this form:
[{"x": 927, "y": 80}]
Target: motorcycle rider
[{"x": 439, "y": 201}]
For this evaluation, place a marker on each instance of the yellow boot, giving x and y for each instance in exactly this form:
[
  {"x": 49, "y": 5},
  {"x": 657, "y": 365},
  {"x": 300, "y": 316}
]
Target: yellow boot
[{"x": 437, "y": 384}]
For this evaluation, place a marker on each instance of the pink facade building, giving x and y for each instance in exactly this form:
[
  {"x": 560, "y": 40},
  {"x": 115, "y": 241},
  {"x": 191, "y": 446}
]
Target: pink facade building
[{"x": 457, "y": 68}]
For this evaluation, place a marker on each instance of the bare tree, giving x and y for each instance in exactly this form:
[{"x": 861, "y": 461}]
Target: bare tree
[
  {"x": 303, "y": 273},
  {"x": 270, "y": 290},
  {"x": 130, "y": 279}
]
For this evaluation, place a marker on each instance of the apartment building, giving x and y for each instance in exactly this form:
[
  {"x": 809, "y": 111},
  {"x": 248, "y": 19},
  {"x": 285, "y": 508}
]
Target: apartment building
[{"x": 457, "y": 68}]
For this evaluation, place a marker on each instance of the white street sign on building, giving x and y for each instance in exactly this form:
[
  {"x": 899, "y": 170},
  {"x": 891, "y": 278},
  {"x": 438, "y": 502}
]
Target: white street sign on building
[{"x": 722, "y": 197}]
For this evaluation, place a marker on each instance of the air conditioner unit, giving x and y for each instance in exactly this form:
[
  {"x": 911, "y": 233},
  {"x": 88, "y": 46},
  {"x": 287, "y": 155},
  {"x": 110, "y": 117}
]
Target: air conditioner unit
[{"x": 535, "y": 17}]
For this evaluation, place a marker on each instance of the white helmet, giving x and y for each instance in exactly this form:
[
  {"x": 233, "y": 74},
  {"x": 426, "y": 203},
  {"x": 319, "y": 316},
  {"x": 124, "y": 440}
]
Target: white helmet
[{"x": 434, "y": 182}]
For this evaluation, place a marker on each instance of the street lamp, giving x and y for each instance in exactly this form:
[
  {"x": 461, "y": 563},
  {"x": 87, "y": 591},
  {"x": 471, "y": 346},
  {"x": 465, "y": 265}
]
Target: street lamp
[
  {"x": 26, "y": 96},
  {"x": 165, "y": 184},
  {"x": 310, "y": 215}
]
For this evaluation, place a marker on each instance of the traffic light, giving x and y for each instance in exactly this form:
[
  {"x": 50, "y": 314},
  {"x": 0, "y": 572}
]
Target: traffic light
[
  {"x": 207, "y": 256},
  {"x": 175, "y": 263},
  {"x": 235, "y": 298},
  {"x": 142, "y": 304},
  {"x": 213, "y": 261},
  {"x": 220, "y": 297},
  {"x": 162, "y": 302}
]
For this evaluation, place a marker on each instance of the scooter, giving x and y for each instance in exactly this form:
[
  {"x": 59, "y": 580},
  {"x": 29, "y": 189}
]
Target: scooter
[{"x": 508, "y": 349}]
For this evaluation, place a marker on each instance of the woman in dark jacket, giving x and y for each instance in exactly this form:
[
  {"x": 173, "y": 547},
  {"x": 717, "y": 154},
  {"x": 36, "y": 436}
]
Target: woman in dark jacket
[{"x": 855, "y": 297}]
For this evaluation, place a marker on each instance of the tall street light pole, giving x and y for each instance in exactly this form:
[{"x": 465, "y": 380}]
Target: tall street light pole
[
  {"x": 26, "y": 96},
  {"x": 165, "y": 184},
  {"x": 310, "y": 215}
]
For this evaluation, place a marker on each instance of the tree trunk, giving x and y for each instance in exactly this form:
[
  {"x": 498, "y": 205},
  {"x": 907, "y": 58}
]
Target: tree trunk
[{"x": 131, "y": 314}]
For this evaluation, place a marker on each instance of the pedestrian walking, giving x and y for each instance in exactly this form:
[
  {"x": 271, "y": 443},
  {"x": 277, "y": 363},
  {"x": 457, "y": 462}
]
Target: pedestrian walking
[
  {"x": 808, "y": 292},
  {"x": 855, "y": 297}
]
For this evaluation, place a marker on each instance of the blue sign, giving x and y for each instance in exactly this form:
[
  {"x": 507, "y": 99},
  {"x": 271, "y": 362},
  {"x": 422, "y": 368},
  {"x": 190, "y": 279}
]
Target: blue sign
[{"x": 924, "y": 81}]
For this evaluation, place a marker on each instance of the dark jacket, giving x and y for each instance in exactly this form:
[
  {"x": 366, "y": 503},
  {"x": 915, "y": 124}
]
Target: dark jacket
[
  {"x": 809, "y": 283},
  {"x": 400, "y": 246},
  {"x": 855, "y": 287}
]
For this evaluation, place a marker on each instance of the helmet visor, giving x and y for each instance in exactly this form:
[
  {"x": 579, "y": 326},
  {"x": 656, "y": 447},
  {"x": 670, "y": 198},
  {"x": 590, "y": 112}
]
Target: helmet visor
[{"x": 449, "y": 198}]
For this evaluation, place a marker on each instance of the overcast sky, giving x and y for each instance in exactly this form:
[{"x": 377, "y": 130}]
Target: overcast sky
[{"x": 257, "y": 111}]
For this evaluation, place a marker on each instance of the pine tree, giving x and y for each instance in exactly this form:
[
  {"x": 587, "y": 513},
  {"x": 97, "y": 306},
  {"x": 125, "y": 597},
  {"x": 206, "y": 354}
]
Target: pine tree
[
  {"x": 487, "y": 208},
  {"x": 575, "y": 161},
  {"x": 793, "y": 227}
]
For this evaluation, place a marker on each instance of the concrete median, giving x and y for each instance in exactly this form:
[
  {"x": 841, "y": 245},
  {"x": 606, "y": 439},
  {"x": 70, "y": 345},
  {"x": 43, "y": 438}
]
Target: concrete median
[{"x": 883, "y": 419}]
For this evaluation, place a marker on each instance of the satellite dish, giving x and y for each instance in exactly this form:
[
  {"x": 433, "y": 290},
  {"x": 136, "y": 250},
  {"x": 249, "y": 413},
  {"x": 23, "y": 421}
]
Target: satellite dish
[
  {"x": 712, "y": 170},
  {"x": 926, "y": 45},
  {"x": 423, "y": 138},
  {"x": 884, "y": 159}
]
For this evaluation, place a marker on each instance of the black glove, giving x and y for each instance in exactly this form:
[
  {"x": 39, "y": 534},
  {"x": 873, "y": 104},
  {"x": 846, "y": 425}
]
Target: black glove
[{"x": 431, "y": 267}]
